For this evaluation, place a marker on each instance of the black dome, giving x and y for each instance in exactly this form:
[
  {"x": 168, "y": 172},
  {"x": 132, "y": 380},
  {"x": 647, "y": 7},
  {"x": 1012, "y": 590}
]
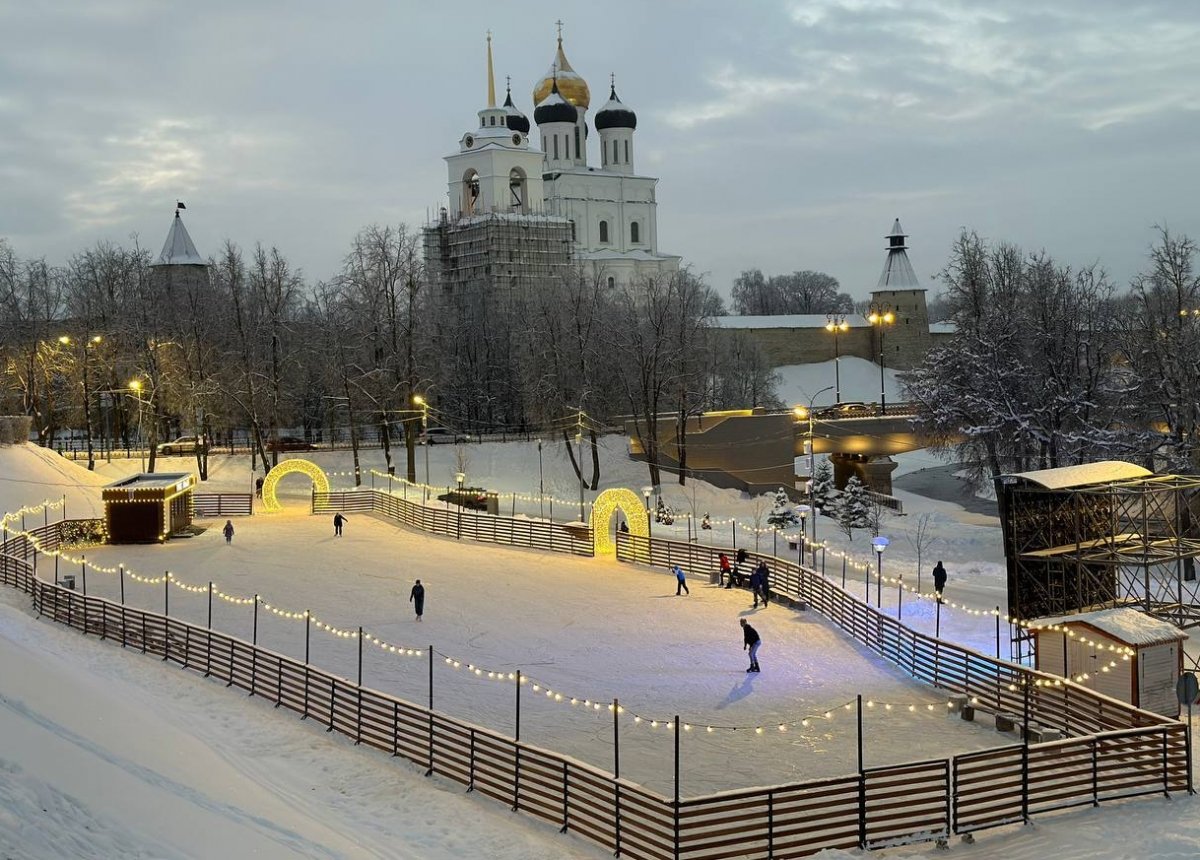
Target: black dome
[
  {"x": 516, "y": 121},
  {"x": 615, "y": 115},
  {"x": 554, "y": 108}
]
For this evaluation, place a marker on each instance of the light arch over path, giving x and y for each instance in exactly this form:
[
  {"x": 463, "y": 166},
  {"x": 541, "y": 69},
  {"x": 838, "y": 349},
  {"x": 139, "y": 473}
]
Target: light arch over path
[
  {"x": 287, "y": 467},
  {"x": 605, "y": 508}
]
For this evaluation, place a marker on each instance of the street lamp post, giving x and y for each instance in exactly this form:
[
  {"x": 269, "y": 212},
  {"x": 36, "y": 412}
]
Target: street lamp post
[
  {"x": 420, "y": 401},
  {"x": 881, "y": 316},
  {"x": 579, "y": 456},
  {"x": 541, "y": 484},
  {"x": 802, "y": 413},
  {"x": 646, "y": 492},
  {"x": 879, "y": 544},
  {"x": 836, "y": 324},
  {"x": 802, "y": 510},
  {"x": 135, "y": 385}
]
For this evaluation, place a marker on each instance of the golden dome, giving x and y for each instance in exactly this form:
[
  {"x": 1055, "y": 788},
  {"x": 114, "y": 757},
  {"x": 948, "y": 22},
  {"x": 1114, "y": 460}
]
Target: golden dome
[{"x": 571, "y": 86}]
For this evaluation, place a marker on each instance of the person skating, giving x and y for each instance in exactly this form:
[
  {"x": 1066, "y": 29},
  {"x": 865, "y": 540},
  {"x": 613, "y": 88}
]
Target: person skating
[
  {"x": 417, "y": 598},
  {"x": 725, "y": 572},
  {"x": 258, "y": 487},
  {"x": 751, "y": 641},
  {"x": 338, "y": 519},
  {"x": 680, "y": 581},
  {"x": 228, "y": 531},
  {"x": 939, "y": 580},
  {"x": 756, "y": 584},
  {"x": 764, "y": 583}
]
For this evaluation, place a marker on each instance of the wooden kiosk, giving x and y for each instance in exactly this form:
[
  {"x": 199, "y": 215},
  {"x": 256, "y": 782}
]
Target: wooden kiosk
[
  {"x": 148, "y": 508},
  {"x": 1124, "y": 653}
]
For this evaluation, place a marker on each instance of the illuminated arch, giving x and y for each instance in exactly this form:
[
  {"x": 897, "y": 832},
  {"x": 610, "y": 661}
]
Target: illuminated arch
[
  {"x": 304, "y": 467},
  {"x": 605, "y": 507}
]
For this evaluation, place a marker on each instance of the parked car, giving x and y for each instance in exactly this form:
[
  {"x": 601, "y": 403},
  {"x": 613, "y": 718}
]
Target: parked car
[
  {"x": 850, "y": 409},
  {"x": 182, "y": 445},
  {"x": 292, "y": 443},
  {"x": 442, "y": 436}
]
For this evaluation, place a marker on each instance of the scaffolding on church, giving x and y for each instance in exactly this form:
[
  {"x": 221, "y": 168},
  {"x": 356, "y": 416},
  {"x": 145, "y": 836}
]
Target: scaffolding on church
[
  {"x": 1130, "y": 542},
  {"x": 486, "y": 270}
]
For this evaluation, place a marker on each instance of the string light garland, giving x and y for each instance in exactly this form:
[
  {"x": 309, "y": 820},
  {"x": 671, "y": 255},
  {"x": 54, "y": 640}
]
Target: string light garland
[{"x": 551, "y": 693}]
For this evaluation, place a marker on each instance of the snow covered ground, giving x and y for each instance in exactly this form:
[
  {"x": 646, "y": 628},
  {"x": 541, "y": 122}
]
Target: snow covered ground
[{"x": 249, "y": 777}]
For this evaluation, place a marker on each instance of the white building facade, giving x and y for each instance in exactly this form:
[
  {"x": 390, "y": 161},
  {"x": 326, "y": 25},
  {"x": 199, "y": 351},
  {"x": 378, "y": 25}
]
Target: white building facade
[{"x": 612, "y": 211}]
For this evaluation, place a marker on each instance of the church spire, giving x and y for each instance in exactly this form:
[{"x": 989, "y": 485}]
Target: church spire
[{"x": 491, "y": 77}]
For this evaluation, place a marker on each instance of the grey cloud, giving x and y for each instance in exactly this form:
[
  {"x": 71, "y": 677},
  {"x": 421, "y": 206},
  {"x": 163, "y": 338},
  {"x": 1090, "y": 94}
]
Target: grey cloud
[{"x": 786, "y": 135}]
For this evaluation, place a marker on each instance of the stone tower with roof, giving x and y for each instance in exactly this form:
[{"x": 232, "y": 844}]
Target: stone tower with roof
[{"x": 907, "y": 339}]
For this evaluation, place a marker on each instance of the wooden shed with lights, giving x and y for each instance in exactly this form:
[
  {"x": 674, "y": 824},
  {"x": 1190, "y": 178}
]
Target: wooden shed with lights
[
  {"x": 1121, "y": 652},
  {"x": 148, "y": 508}
]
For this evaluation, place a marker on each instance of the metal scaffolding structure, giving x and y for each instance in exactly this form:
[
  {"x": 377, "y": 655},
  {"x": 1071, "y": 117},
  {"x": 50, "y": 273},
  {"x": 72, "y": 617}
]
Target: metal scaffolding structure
[{"x": 1077, "y": 545}]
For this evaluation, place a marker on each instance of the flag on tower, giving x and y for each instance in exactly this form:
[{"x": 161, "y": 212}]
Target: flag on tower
[{"x": 179, "y": 205}]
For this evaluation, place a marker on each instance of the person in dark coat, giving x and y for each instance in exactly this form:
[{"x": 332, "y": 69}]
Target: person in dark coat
[
  {"x": 338, "y": 519},
  {"x": 724, "y": 571},
  {"x": 750, "y": 641},
  {"x": 417, "y": 598},
  {"x": 228, "y": 531},
  {"x": 739, "y": 560},
  {"x": 756, "y": 584},
  {"x": 258, "y": 487},
  {"x": 680, "y": 582},
  {"x": 939, "y": 580},
  {"x": 764, "y": 583}
]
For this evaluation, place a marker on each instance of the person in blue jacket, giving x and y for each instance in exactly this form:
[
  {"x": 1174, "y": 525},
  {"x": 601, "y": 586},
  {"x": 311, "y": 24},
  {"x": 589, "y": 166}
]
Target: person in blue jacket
[{"x": 680, "y": 582}]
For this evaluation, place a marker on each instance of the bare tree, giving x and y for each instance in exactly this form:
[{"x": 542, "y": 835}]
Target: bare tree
[{"x": 922, "y": 539}]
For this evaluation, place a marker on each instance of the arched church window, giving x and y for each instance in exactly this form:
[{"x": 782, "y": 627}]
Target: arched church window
[
  {"x": 572, "y": 223},
  {"x": 616, "y": 156},
  {"x": 626, "y": 152},
  {"x": 635, "y": 233},
  {"x": 555, "y": 136},
  {"x": 493, "y": 120},
  {"x": 576, "y": 143},
  {"x": 612, "y": 282},
  {"x": 604, "y": 232}
]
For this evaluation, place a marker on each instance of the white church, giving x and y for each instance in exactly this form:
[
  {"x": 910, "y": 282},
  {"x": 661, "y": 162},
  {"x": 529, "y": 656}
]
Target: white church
[{"x": 503, "y": 176}]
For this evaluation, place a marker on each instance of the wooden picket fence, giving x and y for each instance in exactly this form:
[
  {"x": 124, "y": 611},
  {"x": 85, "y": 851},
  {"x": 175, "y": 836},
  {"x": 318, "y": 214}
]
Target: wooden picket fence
[
  {"x": 1115, "y": 751},
  {"x": 209, "y": 505},
  {"x": 456, "y": 522}
]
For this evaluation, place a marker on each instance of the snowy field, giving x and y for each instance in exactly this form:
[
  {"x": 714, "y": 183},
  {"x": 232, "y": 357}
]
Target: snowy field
[{"x": 255, "y": 782}]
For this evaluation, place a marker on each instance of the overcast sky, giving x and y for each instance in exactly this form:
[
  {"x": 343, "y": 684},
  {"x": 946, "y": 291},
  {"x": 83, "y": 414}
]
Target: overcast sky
[{"x": 785, "y": 135}]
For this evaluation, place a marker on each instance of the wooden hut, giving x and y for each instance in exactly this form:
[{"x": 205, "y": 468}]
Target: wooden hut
[
  {"x": 148, "y": 508},
  {"x": 1123, "y": 653}
]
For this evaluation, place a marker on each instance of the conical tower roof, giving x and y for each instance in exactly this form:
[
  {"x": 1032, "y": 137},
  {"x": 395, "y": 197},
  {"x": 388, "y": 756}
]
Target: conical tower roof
[
  {"x": 179, "y": 250},
  {"x": 897, "y": 272}
]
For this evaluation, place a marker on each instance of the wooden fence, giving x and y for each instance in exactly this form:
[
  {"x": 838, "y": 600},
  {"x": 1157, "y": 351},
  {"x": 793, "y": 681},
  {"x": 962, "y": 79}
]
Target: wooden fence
[
  {"x": 1121, "y": 751},
  {"x": 206, "y": 505},
  {"x": 1114, "y": 750},
  {"x": 453, "y": 521}
]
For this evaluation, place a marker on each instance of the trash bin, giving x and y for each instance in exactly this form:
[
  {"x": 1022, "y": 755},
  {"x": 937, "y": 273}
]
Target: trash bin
[{"x": 68, "y": 581}]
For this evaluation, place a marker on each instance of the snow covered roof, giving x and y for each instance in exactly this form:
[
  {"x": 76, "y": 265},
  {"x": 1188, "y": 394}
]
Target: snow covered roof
[
  {"x": 1064, "y": 477},
  {"x": 786, "y": 321},
  {"x": 179, "y": 249},
  {"x": 1125, "y": 625}
]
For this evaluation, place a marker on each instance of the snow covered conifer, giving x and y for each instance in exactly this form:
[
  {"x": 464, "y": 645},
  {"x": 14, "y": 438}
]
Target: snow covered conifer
[
  {"x": 821, "y": 489},
  {"x": 852, "y": 507},
  {"x": 782, "y": 514}
]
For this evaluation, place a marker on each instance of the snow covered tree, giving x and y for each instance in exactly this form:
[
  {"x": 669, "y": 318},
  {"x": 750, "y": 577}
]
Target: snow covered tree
[
  {"x": 820, "y": 494},
  {"x": 852, "y": 510},
  {"x": 782, "y": 514}
]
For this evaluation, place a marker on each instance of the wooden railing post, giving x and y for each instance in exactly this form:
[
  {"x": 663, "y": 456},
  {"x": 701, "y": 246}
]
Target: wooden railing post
[
  {"x": 429, "y": 770},
  {"x": 566, "y": 807}
]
